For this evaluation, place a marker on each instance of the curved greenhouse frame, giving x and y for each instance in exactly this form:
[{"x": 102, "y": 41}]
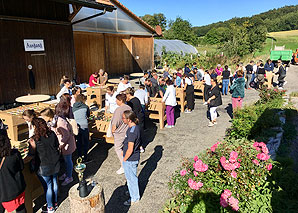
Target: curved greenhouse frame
[{"x": 176, "y": 46}]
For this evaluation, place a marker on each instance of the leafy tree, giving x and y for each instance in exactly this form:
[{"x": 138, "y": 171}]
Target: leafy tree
[
  {"x": 156, "y": 19},
  {"x": 182, "y": 30},
  {"x": 216, "y": 35}
]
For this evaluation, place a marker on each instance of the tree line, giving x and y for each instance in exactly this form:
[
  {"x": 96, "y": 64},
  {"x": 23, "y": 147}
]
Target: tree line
[{"x": 237, "y": 36}]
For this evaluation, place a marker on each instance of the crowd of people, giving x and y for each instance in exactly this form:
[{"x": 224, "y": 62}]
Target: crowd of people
[{"x": 56, "y": 134}]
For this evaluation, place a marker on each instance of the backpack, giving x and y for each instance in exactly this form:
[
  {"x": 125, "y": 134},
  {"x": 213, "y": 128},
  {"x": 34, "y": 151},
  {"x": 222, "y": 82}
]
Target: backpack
[{"x": 74, "y": 126}]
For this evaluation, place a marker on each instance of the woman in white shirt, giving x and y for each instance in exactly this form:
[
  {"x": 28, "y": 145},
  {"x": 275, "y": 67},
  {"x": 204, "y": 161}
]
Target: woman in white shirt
[
  {"x": 124, "y": 84},
  {"x": 111, "y": 104},
  {"x": 190, "y": 96},
  {"x": 170, "y": 100}
]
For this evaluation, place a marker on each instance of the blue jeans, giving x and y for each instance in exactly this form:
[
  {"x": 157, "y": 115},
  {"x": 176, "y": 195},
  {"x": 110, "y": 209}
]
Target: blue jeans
[
  {"x": 50, "y": 187},
  {"x": 83, "y": 142},
  {"x": 225, "y": 86},
  {"x": 130, "y": 171},
  {"x": 68, "y": 165}
]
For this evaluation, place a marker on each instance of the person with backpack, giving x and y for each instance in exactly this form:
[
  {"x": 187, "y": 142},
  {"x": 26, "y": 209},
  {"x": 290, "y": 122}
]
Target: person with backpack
[
  {"x": 238, "y": 91},
  {"x": 81, "y": 114},
  {"x": 12, "y": 182},
  {"x": 46, "y": 147}
]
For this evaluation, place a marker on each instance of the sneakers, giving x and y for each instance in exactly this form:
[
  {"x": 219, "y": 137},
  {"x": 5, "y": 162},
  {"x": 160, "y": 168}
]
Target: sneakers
[
  {"x": 130, "y": 203},
  {"x": 214, "y": 122},
  {"x": 187, "y": 111},
  {"x": 285, "y": 83},
  {"x": 205, "y": 103},
  {"x": 67, "y": 181},
  {"x": 120, "y": 171},
  {"x": 210, "y": 124},
  {"x": 62, "y": 177},
  {"x": 168, "y": 126},
  {"x": 48, "y": 209},
  {"x": 142, "y": 150}
]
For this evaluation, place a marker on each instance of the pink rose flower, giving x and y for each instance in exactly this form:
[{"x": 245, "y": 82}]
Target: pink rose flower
[
  {"x": 183, "y": 172},
  {"x": 269, "y": 166},
  {"x": 194, "y": 185},
  {"x": 233, "y": 202},
  {"x": 263, "y": 156},
  {"x": 234, "y": 174},
  {"x": 196, "y": 158},
  {"x": 223, "y": 202},
  {"x": 255, "y": 145},
  {"x": 256, "y": 162},
  {"x": 262, "y": 145},
  {"x": 265, "y": 150},
  {"x": 227, "y": 192},
  {"x": 239, "y": 160},
  {"x": 214, "y": 146},
  {"x": 195, "y": 173},
  {"x": 233, "y": 157},
  {"x": 200, "y": 166}
]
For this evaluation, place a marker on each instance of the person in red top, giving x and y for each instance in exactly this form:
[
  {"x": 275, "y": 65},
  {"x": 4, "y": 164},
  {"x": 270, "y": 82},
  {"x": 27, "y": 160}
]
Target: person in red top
[{"x": 93, "y": 80}]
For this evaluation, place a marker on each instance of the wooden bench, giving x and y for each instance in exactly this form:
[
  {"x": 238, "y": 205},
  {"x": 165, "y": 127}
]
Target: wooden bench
[
  {"x": 96, "y": 95},
  {"x": 199, "y": 88},
  {"x": 100, "y": 127},
  {"x": 180, "y": 95}
]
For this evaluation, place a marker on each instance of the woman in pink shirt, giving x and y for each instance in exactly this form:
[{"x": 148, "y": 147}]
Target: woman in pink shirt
[
  {"x": 218, "y": 70},
  {"x": 93, "y": 80}
]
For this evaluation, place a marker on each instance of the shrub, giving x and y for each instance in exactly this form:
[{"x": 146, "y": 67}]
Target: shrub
[{"x": 230, "y": 176}]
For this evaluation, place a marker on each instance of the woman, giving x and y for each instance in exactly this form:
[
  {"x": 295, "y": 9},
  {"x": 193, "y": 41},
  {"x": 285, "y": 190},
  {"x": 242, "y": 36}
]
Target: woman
[
  {"x": 124, "y": 84},
  {"x": 225, "y": 80},
  {"x": 81, "y": 114},
  {"x": 49, "y": 116},
  {"x": 214, "y": 100},
  {"x": 12, "y": 182},
  {"x": 119, "y": 128},
  {"x": 65, "y": 101},
  {"x": 46, "y": 146},
  {"x": 177, "y": 80},
  {"x": 66, "y": 140},
  {"x": 170, "y": 100},
  {"x": 111, "y": 104},
  {"x": 64, "y": 77},
  {"x": 75, "y": 92},
  {"x": 28, "y": 116},
  {"x": 219, "y": 70},
  {"x": 131, "y": 155},
  {"x": 213, "y": 74},
  {"x": 137, "y": 108},
  {"x": 237, "y": 89},
  {"x": 93, "y": 80},
  {"x": 190, "y": 96}
]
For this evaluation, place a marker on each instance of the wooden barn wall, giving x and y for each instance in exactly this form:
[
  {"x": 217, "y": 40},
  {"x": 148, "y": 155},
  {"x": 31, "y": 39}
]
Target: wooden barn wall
[
  {"x": 143, "y": 48},
  {"x": 115, "y": 53},
  {"x": 90, "y": 53},
  {"x": 48, "y": 66}
]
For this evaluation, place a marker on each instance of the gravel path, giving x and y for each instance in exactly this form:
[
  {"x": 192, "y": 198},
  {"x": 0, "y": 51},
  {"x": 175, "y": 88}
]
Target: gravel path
[{"x": 162, "y": 157}]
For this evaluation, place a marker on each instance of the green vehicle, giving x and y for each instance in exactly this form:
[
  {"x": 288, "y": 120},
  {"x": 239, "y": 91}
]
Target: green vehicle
[{"x": 284, "y": 55}]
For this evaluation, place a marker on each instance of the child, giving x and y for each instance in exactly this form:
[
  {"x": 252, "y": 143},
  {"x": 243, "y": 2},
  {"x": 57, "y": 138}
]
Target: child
[{"x": 170, "y": 100}]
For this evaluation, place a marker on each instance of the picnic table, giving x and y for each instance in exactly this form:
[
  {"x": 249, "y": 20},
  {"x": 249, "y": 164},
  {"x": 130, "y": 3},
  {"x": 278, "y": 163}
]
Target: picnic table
[
  {"x": 32, "y": 98},
  {"x": 114, "y": 80}
]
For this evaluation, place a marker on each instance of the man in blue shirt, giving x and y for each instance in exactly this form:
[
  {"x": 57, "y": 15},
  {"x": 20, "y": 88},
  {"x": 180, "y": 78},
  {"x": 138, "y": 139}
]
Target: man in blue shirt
[{"x": 269, "y": 66}]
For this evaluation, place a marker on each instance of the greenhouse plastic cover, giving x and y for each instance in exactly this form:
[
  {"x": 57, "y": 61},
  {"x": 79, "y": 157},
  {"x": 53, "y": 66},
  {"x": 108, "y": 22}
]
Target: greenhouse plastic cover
[
  {"x": 176, "y": 46},
  {"x": 111, "y": 22}
]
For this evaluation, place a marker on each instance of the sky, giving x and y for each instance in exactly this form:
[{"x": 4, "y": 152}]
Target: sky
[{"x": 203, "y": 12}]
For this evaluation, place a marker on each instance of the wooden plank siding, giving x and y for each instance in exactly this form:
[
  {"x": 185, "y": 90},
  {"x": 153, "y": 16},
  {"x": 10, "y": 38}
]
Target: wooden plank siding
[
  {"x": 113, "y": 52},
  {"x": 48, "y": 66}
]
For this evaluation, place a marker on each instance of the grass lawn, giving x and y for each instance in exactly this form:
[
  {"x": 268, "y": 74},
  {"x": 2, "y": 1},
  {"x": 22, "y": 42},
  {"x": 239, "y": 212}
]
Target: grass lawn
[{"x": 287, "y": 38}]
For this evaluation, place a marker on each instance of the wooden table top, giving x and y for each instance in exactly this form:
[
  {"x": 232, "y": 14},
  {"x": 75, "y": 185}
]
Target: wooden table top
[
  {"x": 136, "y": 74},
  {"x": 32, "y": 98},
  {"x": 114, "y": 80}
]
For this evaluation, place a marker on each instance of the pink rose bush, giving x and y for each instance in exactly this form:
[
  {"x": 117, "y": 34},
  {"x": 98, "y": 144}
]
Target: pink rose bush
[{"x": 231, "y": 170}]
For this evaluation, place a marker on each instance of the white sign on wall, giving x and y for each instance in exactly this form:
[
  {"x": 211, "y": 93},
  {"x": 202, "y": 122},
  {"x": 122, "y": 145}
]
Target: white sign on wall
[{"x": 33, "y": 45}]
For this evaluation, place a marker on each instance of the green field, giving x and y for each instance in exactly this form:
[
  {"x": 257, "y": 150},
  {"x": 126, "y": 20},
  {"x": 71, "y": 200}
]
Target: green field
[{"x": 287, "y": 38}]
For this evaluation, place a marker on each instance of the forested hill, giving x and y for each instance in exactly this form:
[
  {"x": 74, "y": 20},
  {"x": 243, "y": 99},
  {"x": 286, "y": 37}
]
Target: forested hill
[{"x": 281, "y": 19}]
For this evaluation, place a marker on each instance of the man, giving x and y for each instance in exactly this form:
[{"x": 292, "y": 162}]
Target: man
[
  {"x": 142, "y": 95},
  {"x": 249, "y": 70},
  {"x": 282, "y": 74},
  {"x": 161, "y": 87},
  {"x": 154, "y": 79},
  {"x": 151, "y": 90},
  {"x": 200, "y": 74},
  {"x": 269, "y": 66},
  {"x": 65, "y": 89},
  {"x": 142, "y": 80},
  {"x": 103, "y": 77}
]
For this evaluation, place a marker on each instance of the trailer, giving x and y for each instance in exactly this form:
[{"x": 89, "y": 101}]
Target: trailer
[{"x": 280, "y": 53}]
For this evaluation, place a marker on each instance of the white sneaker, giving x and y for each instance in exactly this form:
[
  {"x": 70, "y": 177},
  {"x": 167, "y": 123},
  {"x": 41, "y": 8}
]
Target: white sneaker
[
  {"x": 120, "y": 171},
  {"x": 168, "y": 126},
  {"x": 67, "y": 181},
  {"x": 210, "y": 124},
  {"x": 62, "y": 177},
  {"x": 142, "y": 150},
  {"x": 172, "y": 126},
  {"x": 215, "y": 123},
  {"x": 130, "y": 203},
  {"x": 205, "y": 103},
  {"x": 187, "y": 111},
  {"x": 285, "y": 83}
]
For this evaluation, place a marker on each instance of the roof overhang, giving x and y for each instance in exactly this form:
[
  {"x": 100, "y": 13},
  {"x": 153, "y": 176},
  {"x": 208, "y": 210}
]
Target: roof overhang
[{"x": 90, "y": 3}]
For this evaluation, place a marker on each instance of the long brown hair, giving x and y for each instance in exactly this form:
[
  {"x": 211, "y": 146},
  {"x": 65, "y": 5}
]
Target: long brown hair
[
  {"x": 63, "y": 107},
  {"x": 30, "y": 113},
  {"x": 41, "y": 129}
]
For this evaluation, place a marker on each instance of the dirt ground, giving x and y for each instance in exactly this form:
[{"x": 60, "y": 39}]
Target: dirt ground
[{"x": 163, "y": 154}]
